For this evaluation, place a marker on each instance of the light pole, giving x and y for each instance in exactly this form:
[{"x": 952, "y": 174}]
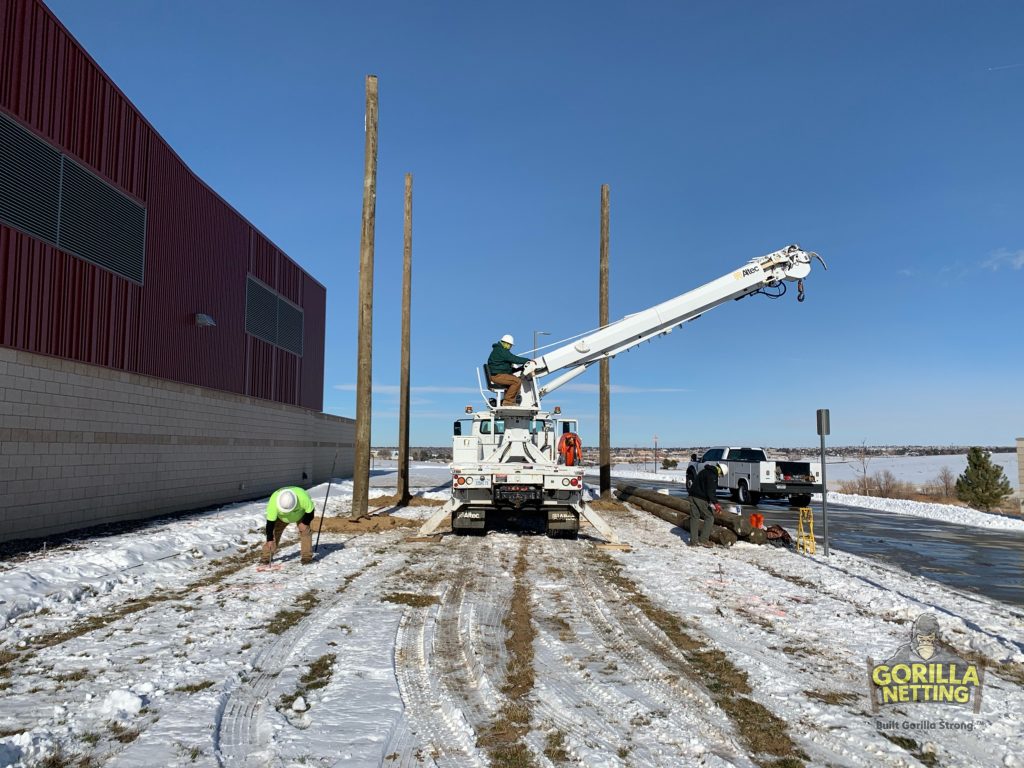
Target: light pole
[
  {"x": 535, "y": 335},
  {"x": 655, "y": 453}
]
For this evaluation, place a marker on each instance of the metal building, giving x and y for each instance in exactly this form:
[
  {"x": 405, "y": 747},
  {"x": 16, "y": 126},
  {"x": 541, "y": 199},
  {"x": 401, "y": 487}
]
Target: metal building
[{"x": 122, "y": 272}]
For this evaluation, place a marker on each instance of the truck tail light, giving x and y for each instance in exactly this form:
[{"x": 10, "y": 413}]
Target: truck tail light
[
  {"x": 460, "y": 481},
  {"x": 574, "y": 482}
]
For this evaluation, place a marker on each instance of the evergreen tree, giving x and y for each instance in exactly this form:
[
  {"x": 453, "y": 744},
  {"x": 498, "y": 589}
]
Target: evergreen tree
[{"x": 983, "y": 484}]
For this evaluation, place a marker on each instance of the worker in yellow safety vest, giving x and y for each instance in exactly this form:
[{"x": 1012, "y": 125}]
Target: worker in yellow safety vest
[{"x": 289, "y": 505}]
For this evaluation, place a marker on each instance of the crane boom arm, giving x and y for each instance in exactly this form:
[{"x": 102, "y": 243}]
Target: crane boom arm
[{"x": 787, "y": 264}]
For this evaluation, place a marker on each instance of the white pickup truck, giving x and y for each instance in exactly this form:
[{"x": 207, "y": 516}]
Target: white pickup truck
[{"x": 752, "y": 476}]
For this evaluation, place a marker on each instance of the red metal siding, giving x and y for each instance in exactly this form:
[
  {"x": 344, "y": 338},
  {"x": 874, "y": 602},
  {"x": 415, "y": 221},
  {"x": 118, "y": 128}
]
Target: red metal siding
[
  {"x": 196, "y": 252},
  {"x": 314, "y": 303},
  {"x": 198, "y": 249},
  {"x": 53, "y": 86},
  {"x": 99, "y": 325}
]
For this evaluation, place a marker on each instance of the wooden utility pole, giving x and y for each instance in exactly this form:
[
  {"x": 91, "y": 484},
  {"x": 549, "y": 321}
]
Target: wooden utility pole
[
  {"x": 364, "y": 373},
  {"x": 605, "y": 385},
  {"x": 403, "y": 406}
]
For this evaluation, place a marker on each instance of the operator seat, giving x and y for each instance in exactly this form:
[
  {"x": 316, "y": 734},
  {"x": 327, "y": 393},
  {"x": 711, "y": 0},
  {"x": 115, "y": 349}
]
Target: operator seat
[{"x": 491, "y": 387}]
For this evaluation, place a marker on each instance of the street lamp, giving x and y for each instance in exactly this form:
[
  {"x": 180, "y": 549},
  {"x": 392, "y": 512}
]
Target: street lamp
[{"x": 535, "y": 335}]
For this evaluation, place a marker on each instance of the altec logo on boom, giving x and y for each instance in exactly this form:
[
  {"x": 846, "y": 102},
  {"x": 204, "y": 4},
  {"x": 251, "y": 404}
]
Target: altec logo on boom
[{"x": 925, "y": 670}]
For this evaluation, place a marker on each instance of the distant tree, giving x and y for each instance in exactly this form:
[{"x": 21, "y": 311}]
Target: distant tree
[
  {"x": 667, "y": 463},
  {"x": 946, "y": 481},
  {"x": 886, "y": 483},
  {"x": 864, "y": 481},
  {"x": 983, "y": 484}
]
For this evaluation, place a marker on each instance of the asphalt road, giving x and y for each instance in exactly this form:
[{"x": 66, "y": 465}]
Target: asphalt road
[{"x": 989, "y": 563}]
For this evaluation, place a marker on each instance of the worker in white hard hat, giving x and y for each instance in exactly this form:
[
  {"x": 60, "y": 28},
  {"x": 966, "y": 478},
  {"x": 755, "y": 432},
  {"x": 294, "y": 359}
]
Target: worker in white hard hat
[
  {"x": 501, "y": 365},
  {"x": 289, "y": 505}
]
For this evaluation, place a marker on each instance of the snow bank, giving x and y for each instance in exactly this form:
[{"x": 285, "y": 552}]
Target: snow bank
[{"x": 945, "y": 512}]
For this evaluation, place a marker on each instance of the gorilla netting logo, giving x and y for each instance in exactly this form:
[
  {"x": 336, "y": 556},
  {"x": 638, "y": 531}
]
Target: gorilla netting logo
[{"x": 925, "y": 670}]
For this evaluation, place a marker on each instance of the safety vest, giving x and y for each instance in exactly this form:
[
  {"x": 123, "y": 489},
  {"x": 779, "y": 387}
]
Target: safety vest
[{"x": 570, "y": 448}]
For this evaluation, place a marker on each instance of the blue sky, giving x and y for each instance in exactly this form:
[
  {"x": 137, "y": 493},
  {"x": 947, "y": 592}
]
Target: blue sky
[{"x": 886, "y": 136}]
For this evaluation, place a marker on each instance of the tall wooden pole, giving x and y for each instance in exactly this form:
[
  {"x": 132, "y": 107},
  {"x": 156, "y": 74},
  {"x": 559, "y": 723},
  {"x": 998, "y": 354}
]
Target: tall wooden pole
[
  {"x": 605, "y": 384},
  {"x": 364, "y": 373},
  {"x": 403, "y": 406}
]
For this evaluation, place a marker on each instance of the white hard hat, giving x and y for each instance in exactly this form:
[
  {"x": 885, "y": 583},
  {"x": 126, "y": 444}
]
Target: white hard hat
[
  {"x": 507, "y": 338},
  {"x": 723, "y": 469},
  {"x": 286, "y": 501}
]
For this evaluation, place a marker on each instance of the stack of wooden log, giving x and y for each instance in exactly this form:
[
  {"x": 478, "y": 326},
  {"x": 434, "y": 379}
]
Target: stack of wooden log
[{"x": 729, "y": 527}]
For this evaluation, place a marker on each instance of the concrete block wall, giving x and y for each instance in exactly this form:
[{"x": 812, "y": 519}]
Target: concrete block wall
[{"x": 82, "y": 445}]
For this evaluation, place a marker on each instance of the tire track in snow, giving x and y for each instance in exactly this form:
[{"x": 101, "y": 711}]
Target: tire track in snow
[
  {"x": 240, "y": 736},
  {"x": 606, "y": 628},
  {"x": 434, "y": 726},
  {"x": 445, "y": 662}
]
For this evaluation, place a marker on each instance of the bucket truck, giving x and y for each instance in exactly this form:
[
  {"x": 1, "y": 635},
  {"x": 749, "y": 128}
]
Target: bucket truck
[{"x": 504, "y": 458}]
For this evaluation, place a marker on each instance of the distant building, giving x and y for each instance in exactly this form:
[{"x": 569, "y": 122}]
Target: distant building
[{"x": 157, "y": 351}]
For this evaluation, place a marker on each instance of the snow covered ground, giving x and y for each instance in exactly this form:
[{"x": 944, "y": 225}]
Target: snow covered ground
[{"x": 167, "y": 646}]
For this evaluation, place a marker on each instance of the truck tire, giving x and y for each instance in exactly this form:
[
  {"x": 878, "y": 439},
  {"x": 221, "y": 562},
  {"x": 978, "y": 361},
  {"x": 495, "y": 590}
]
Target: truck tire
[
  {"x": 689, "y": 479},
  {"x": 800, "y": 500},
  {"x": 744, "y": 495}
]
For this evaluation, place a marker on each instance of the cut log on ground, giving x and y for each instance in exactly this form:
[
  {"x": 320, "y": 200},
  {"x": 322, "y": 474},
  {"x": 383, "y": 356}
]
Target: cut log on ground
[
  {"x": 738, "y": 524},
  {"x": 719, "y": 535},
  {"x": 757, "y": 536}
]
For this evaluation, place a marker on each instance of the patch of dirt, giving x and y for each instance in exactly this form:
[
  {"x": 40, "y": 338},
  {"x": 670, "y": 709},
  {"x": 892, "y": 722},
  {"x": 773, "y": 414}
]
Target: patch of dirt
[
  {"x": 383, "y": 502},
  {"x": 408, "y": 598},
  {"x": 607, "y": 505},
  {"x": 503, "y": 738},
  {"x": 925, "y": 758},
  {"x": 287, "y": 617},
  {"x": 832, "y": 697},
  {"x": 369, "y": 524}
]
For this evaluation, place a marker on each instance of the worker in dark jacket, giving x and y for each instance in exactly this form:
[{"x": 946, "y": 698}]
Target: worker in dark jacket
[
  {"x": 500, "y": 365},
  {"x": 289, "y": 505},
  {"x": 704, "y": 504}
]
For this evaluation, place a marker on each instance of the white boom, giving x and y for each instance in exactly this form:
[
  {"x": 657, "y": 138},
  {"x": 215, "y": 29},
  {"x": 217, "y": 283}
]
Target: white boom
[
  {"x": 791, "y": 263},
  {"x": 505, "y": 459}
]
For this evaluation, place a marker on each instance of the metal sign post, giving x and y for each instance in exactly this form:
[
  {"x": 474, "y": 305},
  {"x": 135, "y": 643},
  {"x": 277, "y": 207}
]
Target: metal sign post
[{"x": 823, "y": 429}]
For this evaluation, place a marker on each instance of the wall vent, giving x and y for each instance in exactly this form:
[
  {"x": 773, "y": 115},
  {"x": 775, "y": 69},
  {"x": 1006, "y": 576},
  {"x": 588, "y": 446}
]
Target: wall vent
[
  {"x": 57, "y": 200},
  {"x": 29, "y": 182},
  {"x": 100, "y": 224},
  {"x": 271, "y": 317}
]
